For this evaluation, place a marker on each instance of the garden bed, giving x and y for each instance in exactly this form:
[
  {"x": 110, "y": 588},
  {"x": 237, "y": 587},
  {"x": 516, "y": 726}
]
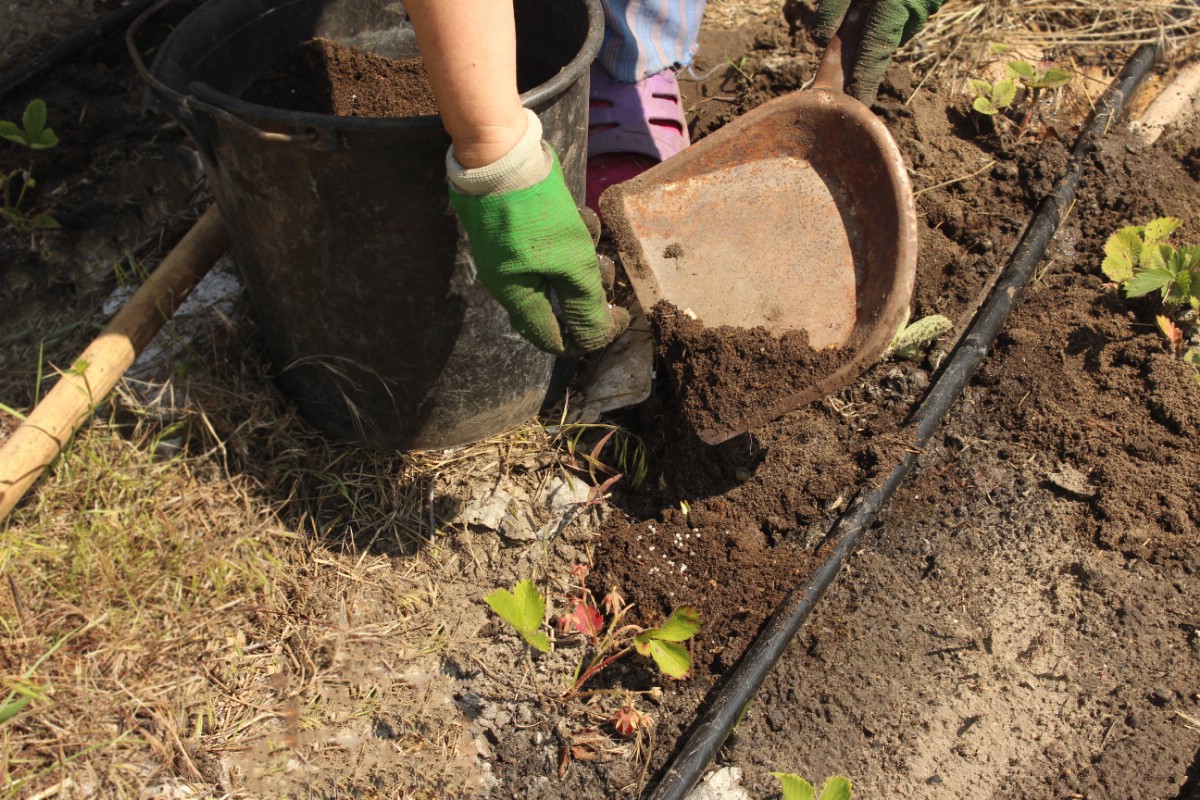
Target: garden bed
[{"x": 1022, "y": 621}]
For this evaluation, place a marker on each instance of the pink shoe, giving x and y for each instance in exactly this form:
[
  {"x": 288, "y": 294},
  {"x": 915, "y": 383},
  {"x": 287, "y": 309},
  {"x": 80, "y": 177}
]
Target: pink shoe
[{"x": 631, "y": 127}]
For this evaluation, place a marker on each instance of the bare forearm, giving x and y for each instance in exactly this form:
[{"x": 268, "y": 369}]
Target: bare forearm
[{"x": 470, "y": 51}]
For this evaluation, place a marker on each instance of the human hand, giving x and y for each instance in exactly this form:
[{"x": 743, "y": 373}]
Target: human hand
[
  {"x": 528, "y": 241},
  {"x": 889, "y": 24}
]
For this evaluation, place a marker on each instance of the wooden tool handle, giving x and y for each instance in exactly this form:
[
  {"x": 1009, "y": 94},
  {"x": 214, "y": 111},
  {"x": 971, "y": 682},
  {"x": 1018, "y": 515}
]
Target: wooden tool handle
[{"x": 42, "y": 436}]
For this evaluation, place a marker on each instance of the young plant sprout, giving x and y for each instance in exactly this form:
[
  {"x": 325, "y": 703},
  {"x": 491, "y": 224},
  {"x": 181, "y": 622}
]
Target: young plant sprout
[
  {"x": 993, "y": 98},
  {"x": 33, "y": 134},
  {"x": 524, "y": 607},
  {"x": 796, "y": 788}
]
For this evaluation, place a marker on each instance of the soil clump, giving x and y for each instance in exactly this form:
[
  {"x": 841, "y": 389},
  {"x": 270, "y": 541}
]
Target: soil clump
[{"x": 725, "y": 377}]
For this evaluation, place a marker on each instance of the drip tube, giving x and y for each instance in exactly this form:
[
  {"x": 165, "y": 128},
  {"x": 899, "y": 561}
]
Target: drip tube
[
  {"x": 68, "y": 47},
  {"x": 707, "y": 735}
]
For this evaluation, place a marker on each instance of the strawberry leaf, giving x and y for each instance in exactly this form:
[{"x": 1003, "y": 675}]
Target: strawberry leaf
[
  {"x": 9, "y": 130},
  {"x": 679, "y": 627},
  {"x": 1161, "y": 228},
  {"x": 836, "y": 788},
  {"x": 794, "y": 787},
  {"x": 660, "y": 643},
  {"x": 671, "y": 658},
  {"x": 584, "y": 618},
  {"x": 1022, "y": 70},
  {"x": 1054, "y": 78},
  {"x": 1146, "y": 282},
  {"x": 1122, "y": 251},
  {"x": 1004, "y": 93},
  {"x": 523, "y": 608}
]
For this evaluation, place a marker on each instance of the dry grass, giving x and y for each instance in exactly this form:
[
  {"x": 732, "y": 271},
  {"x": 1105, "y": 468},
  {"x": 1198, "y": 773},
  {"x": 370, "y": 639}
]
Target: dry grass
[{"x": 167, "y": 628}]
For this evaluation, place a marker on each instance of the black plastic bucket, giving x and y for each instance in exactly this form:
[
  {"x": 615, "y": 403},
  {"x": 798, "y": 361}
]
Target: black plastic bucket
[{"x": 354, "y": 263}]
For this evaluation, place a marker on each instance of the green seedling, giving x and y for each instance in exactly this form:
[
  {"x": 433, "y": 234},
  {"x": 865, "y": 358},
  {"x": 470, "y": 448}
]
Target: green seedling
[
  {"x": 33, "y": 134},
  {"x": 910, "y": 341},
  {"x": 523, "y": 608},
  {"x": 796, "y": 788},
  {"x": 992, "y": 98}
]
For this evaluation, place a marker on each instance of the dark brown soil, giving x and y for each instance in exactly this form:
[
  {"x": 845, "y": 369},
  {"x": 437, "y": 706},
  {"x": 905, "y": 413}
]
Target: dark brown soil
[
  {"x": 325, "y": 77},
  {"x": 723, "y": 377}
]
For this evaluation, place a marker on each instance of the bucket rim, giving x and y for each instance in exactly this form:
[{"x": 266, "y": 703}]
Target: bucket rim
[{"x": 201, "y": 95}]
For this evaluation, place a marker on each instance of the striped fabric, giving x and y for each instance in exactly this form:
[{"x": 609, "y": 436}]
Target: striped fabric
[{"x": 643, "y": 37}]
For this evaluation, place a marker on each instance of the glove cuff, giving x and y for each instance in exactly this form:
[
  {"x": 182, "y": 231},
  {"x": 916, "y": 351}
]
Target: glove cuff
[{"x": 527, "y": 164}]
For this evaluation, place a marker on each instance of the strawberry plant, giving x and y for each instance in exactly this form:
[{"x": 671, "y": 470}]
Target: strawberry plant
[
  {"x": 796, "y": 788},
  {"x": 33, "y": 134},
  {"x": 524, "y": 608},
  {"x": 993, "y": 98},
  {"x": 1139, "y": 260},
  {"x": 613, "y": 640}
]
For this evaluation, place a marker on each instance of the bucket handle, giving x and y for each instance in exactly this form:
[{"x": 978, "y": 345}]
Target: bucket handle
[
  {"x": 182, "y": 106},
  {"x": 198, "y": 88}
]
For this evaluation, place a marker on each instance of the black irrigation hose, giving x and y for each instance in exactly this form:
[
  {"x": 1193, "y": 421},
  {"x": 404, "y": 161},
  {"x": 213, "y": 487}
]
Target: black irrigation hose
[
  {"x": 709, "y": 733},
  {"x": 64, "y": 50}
]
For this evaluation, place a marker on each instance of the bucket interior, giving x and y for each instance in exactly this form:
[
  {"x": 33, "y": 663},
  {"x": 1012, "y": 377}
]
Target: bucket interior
[{"x": 228, "y": 44}]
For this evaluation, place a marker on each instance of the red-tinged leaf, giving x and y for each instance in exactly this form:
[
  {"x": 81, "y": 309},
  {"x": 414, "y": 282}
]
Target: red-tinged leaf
[
  {"x": 597, "y": 493},
  {"x": 584, "y": 618},
  {"x": 1171, "y": 331},
  {"x": 579, "y": 571}
]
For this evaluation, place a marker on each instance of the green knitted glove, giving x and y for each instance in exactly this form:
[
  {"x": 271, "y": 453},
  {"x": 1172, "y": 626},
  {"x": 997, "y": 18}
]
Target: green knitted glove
[
  {"x": 890, "y": 23},
  {"x": 529, "y": 241}
]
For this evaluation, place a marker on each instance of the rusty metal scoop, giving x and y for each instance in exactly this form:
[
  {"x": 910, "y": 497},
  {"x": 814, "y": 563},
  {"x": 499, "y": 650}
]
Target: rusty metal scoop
[{"x": 796, "y": 216}]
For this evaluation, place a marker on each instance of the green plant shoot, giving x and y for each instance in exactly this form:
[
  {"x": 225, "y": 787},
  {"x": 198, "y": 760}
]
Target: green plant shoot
[
  {"x": 796, "y": 788},
  {"x": 662, "y": 644},
  {"x": 523, "y": 608},
  {"x": 1034, "y": 78},
  {"x": 34, "y": 134},
  {"x": 990, "y": 98},
  {"x": 1138, "y": 259}
]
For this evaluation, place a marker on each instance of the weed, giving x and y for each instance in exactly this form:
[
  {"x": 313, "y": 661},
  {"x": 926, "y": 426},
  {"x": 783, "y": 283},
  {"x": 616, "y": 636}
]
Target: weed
[
  {"x": 33, "y": 134},
  {"x": 628, "y": 456},
  {"x": 796, "y": 788}
]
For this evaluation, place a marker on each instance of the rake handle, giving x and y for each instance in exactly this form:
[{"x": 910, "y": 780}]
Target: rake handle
[{"x": 52, "y": 423}]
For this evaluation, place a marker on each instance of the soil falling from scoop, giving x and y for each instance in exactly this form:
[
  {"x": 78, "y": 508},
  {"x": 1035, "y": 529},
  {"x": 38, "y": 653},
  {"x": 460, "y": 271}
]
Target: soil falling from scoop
[{"x": 723, "y": 376}]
